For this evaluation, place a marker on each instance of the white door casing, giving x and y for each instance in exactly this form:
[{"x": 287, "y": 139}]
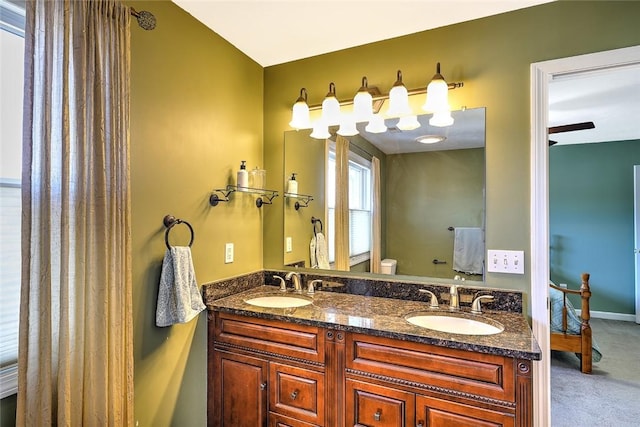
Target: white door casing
[{"x": 541, "y": 74}]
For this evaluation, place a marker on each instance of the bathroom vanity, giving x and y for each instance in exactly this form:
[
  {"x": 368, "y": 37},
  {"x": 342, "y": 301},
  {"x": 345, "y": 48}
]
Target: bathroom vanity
[{"x": 352, "y": 360}]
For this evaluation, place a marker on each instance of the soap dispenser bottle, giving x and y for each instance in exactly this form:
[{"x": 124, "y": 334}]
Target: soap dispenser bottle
[
  {"x": 243, "y": 176},
  {"x": 292, "y": 187}
]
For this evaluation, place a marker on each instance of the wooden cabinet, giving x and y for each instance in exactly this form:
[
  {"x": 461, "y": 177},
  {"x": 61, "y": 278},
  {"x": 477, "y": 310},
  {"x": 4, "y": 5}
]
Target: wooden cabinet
[
  {"x": 241, "y": 389},
  {"x": 265, "y": 373},
  {"x": 279, "y": 374},
  {"x": 433, "y": 386}
]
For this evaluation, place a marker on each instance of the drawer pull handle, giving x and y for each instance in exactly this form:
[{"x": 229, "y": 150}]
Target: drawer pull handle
[
  {"x": 294, "y": 394},
  {"x": 263, "y": 386},
  {"x": 377, "y": 415}
]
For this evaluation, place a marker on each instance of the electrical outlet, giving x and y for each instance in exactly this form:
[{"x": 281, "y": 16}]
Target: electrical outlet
[
  {"x": 289, "y": 244},
  {"x": 505, "y": 261},
  {"x": 228, "y": 253}
]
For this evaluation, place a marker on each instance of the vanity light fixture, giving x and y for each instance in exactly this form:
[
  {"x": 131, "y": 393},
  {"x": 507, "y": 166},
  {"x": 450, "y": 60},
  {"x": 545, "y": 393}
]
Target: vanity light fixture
[
  {"x": 367, "y": 103},
  {"x": 347, "y": 126},
  {"x": 320, "y": 130},
  {"x": 437, "y": 101},
  {"x": 331, "y": 107},
  {"x": 376, "y": 124},
  {"x": 363, "y": 102},
  {"x": 430, "y": 139},
  {"x": 399, "y": 99},
  {"x": 409, "y": 122},
  {"x": 300, "y": 116}
]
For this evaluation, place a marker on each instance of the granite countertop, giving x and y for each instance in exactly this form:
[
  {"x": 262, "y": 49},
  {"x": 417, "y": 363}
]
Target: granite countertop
[{"x": 385, "y": 317}]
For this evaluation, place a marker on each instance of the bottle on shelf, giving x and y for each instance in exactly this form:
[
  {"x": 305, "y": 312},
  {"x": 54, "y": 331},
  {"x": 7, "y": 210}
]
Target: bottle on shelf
[
  {"x": 292, "y": 186},
  {"x": 243, "y": 177}
]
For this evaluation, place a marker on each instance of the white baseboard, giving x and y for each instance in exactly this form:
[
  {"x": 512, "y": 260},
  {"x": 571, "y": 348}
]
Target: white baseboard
[{"x": 611, "y": 316}]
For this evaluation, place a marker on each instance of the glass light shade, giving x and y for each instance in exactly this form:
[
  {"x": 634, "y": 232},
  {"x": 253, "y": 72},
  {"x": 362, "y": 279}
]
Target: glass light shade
[
  {"x": 376, "y": 124},
  {"x": 437, "y": 96},
  {"x": 408, "y": 123},
  {"x": 398, "y": 102},
  {"x": 347, "y": 126},
  {"x": 441, "y": 119},
  {"x": 362, "y": 106},
  {"x": 320, "y": 130},
  {"x": 300, "y": 116}
]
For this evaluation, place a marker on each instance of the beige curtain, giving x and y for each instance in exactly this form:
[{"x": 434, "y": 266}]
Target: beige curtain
[
  {"x": 75, "y": 364},
  {"x": 376, "y": 229},
  {"x": 342, "y": 205}
]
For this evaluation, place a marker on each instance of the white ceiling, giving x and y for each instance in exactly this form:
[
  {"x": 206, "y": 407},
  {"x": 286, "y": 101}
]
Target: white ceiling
[
  {"x": 609, "y": 98},
  {"x": 275, "y": 31}
]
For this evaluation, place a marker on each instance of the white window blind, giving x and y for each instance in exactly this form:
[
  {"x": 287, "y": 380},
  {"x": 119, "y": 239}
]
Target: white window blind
[{"x": 12, "y": 82}]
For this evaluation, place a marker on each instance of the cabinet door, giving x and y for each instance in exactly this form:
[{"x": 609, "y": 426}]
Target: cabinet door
[
  {"x": 241, "y": 392},
  {"x": 297, "y": 392},
  {"x": 434, "y": 412},
  {"x": 372, "y": 405}
]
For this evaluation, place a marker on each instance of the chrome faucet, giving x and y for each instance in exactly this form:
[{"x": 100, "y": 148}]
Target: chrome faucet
[
  {"x": 434, "y": 299},
  {"x": 311, "y": 286},
  {"x": 295, "y": 278},
  {"x": 476, "y": 307},
  {"x": 454, "y": 301},
  {"x": 283, "y": 284}
]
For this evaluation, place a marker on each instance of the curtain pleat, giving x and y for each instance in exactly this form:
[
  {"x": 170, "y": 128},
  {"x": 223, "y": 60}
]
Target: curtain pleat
[
  {"x": 342, "y": 205},
  {"x": 75, "y": 362},
  {"x": 376, "y": 229}
]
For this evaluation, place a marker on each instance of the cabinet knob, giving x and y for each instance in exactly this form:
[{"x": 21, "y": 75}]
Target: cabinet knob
[
  {"x": 377, "y": 415},
  {"x": 420, "y": 424},
  {"x": 294, "y": 394},
  {"x": 263, "y": 386}
]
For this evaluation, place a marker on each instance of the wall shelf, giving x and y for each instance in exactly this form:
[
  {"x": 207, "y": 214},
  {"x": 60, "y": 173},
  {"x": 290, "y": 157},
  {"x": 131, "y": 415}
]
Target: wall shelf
[
  {"x": 265, "y": 197},
  {"x": 302, "y": 201}
]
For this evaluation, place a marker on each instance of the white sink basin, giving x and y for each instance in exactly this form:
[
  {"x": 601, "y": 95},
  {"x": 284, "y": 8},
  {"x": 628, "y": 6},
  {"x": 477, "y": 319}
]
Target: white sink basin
[
  {"x": 279, "y": 301},
  {"x": 455, "y": 325}
]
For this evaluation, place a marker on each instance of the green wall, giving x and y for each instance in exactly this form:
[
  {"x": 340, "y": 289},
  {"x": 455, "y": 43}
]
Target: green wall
[
  {"x": 591, "y": 220},
  {"x": 196, "y": 111},
  {"x": 492, "y": 56},
  {"x": 426, "y": 194}
]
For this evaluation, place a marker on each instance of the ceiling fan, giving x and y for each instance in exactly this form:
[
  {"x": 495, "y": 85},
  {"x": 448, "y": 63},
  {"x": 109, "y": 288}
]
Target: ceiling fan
[{"x": 569, "y": 128}]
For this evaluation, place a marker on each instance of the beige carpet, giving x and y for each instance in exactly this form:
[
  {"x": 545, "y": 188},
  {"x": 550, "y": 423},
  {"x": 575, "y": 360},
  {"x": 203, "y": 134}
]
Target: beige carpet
[{"x": 610, "y": 396}]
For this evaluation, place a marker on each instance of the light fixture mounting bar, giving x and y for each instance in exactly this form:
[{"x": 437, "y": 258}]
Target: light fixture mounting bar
[{"x": 379, "y": 98}]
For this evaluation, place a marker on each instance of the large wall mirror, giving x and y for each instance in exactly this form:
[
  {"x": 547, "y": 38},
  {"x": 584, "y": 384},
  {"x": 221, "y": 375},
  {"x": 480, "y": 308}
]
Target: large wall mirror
[{"x": 432, "y": 198}]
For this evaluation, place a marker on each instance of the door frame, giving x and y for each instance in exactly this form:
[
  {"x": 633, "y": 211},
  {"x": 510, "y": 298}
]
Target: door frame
[
  {"x": 541, "y": 74},
  {"x": 636, "y": 236}
]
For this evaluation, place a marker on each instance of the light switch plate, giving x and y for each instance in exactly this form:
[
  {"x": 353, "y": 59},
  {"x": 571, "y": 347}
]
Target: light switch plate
[
  {"x": 502, "y": 261},
  {"x": 289, "y": 244},
  {"x": 228, "y": 253}
]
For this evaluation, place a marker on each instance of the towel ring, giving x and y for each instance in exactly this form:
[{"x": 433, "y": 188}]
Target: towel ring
[
  {"x": 314, "y": 221},
  {"x": 169, "y": 221}
]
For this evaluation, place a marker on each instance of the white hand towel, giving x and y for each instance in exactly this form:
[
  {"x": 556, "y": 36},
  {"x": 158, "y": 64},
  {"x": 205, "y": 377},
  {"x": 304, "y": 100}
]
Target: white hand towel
[
  {"x": 179, "y": 299},
  {"x": 468, "y": 250},
  {"x": 322, "y": 252},
  {"x": 312, "y": 253}
]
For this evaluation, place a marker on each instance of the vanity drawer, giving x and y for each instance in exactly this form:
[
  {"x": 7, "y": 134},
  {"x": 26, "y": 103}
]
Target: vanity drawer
[
  {"x": 409, "y": 363},
  {"x": 297, "y": 392},
  {"x": 271, "y": 336},
  {"x": 278, "y": 420},
  {"x": 377, "y": 406}
]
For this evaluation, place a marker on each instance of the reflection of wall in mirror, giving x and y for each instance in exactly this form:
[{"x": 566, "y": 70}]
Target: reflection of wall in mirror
[
  {"x": 427, "y": 193},
  {"x": 306, "y": 157}
]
